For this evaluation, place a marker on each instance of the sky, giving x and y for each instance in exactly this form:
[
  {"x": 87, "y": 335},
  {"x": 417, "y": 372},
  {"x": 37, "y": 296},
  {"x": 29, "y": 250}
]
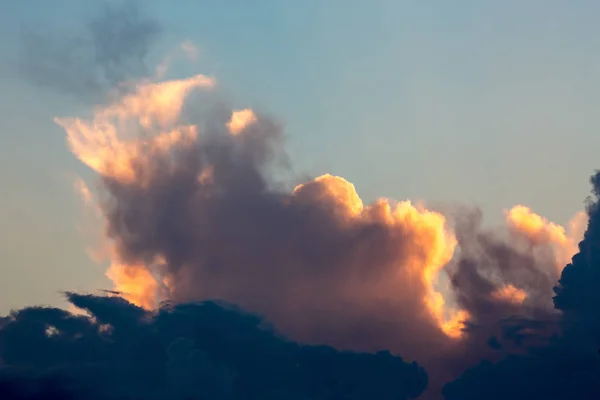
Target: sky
[{"x": 488, "y": 103}]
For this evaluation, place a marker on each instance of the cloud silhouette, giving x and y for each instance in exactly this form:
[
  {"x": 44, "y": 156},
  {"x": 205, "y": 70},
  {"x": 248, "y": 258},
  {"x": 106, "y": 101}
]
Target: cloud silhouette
[{"x": 194, "y": 350}]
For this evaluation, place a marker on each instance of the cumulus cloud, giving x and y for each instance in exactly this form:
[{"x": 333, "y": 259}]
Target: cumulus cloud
[{"x": 194, "y": 212}]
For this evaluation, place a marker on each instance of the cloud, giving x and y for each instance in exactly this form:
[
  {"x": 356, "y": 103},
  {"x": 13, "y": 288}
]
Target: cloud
[
  {"x": 202, "y": 217},
  {"x": 569, "y": 365},
  {"x": 577, "y": 294},
  {"x": 108, "y": 51},
  {"x": 194, "y": 212},
  {"x": 195, "y": 215},
  {"x": 195, "y": 350}
]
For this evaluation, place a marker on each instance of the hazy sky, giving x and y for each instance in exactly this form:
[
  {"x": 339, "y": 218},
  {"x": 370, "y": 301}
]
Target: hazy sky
[{"x": 491, "y": 103}]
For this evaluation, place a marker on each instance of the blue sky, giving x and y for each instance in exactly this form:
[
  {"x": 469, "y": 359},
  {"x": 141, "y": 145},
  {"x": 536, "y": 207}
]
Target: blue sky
[{"x": 491, "y": 103}]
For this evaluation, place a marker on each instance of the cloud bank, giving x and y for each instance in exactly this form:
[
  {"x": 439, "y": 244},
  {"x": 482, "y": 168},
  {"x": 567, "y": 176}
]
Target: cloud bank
[{"x": 203, "y": 350}]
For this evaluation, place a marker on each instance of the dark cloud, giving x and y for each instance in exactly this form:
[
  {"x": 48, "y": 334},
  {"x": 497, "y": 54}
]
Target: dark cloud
[
  {"x": 109, "y": 50},
  {"x": 568, "y": 365},
  {"x": 554, "y": 374},
  {"x": 188, "y": 351},
  {"x": 578, "y": 292},
  {"x": 492, "y": 258},
  {"x": 320, "y": 274},
  {"x": 15, "y": 386}
]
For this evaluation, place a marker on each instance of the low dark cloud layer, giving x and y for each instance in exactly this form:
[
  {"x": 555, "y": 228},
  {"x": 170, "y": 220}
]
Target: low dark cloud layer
[{"x": 189, "y": 351}]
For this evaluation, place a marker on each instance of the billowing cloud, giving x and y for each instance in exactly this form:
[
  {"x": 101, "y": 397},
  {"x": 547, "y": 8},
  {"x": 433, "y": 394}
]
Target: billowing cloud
[
  {"x": 194, "y": 212},
  {"x": 568, "y": 366}
]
